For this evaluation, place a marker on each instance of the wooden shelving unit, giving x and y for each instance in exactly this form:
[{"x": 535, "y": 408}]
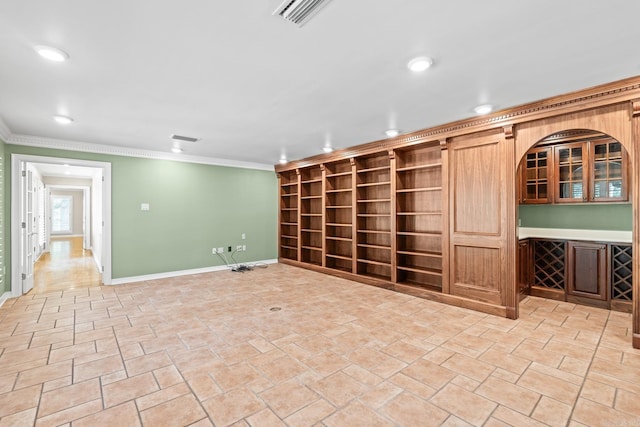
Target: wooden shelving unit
[
  {"x": 339, "y": 215},
  {"x": 549, "y": 273},
  {"x": 311, "y": 215},
  {"x": 621, "y": 279},
  {"x": 289, "y": 209},
  {"x": 374, "y": 216},
  {"x": 419, "y": 216}
]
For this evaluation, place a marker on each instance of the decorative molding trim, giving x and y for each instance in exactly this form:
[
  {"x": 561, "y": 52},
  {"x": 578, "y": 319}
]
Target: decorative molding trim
[
  {"x": 58, "y": 144},
  {"x": 4, "y": 297},
  {"x": 508, "y": 131},
  {"x": 169, "y": 274},
  {"x": 635, "y": 105},
  {"x": 5, "y": 132}
]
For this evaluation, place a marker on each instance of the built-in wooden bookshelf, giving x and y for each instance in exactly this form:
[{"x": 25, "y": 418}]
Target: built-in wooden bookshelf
[
  {"x": 339, "y": 207},
  {"x": 374, "y": 215},
  {"x": 311, "y": 215},
  {"x": 289, "y": 205},
  {"x": 419, "y": 216}
]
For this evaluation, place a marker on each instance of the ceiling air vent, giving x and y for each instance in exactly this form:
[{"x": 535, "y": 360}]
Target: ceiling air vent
[
  {"x": 183, "y": 138},
  {"x": 299, "y": 11}
]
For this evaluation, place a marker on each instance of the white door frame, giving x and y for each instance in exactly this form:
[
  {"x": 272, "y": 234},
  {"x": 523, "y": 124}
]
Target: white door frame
[{"x": 16, "y": 161}]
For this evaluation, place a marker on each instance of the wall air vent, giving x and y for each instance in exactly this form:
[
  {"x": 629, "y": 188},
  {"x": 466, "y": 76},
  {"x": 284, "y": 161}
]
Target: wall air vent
[
  {"x": 299, "y": 11},
  {"x": 183, "y": 138}
]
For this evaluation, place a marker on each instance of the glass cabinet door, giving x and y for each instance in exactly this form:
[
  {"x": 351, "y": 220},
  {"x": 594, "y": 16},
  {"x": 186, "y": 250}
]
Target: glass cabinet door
[
  {"x": 570, "y": 172},
  {"x": 609, "y": 168},
  {"x": 536, "y": 176}
]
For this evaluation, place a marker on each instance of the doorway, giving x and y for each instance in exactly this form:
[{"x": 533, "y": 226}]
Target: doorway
[
  {"x": 60, "y": 215},
  {"x": 574, "y": 193}
]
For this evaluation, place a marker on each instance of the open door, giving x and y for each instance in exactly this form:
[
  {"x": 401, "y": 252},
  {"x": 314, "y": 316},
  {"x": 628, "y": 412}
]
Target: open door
[{"x": 27, "y": 226}]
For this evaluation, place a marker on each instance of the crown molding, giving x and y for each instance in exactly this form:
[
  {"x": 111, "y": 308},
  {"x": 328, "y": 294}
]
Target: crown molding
[
  {"x": 5, "y": 133},
  {"x": 58, "y": 144}
]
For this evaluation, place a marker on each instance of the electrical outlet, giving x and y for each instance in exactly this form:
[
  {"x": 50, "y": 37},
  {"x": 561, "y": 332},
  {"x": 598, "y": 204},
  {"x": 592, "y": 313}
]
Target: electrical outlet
[
  {"x": 213, "y": 251},
  {"x": 239, "y": 248},
  {"x": 244, "y": 236},
  {"x": 220, "y": 250},
  {"x": 244, "y": 248},
  {"x": 229, "y": 248}
]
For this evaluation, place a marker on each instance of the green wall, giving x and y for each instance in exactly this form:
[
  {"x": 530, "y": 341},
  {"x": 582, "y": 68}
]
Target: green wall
[
  {"x": 5, "y": 286},
  {"x": 193, "y": 208},
  {"x": 607, "y": 216}
]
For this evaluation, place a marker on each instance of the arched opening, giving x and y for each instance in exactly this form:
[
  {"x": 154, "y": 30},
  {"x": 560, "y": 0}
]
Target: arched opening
[{"x": 575, "y": 219}]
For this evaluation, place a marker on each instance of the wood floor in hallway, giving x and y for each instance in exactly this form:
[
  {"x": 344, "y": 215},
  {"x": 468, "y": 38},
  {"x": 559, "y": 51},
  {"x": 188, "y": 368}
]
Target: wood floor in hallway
[{"x": 66, "y": 266}]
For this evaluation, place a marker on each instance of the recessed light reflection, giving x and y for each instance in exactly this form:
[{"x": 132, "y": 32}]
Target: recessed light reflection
[
  {"x": 63, "y": 120},
  {"x": 419, "y": 64},
  {"x": 51, "y": 53},
  {"x": 483, "y": 109}
]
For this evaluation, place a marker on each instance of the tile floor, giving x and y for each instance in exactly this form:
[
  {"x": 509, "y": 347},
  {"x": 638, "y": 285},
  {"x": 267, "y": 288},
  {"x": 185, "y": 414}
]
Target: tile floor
[{"x": 208, "y": 350}]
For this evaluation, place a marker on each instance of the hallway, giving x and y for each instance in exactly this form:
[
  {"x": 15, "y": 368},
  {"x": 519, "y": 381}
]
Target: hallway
[{"x": 66, "y": 266}]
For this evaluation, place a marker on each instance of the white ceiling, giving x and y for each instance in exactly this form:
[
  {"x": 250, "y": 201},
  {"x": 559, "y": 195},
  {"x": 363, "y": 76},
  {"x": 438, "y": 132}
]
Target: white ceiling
[{"x": 253, "y": 86}]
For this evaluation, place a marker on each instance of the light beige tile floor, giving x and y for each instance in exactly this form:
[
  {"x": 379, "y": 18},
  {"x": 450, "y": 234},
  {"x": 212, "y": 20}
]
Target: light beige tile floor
[{"x": 208, "y": 350}]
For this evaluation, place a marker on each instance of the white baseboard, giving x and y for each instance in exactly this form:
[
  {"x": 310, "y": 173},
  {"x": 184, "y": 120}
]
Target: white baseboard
[
  {"x": 4, "y": 297},
  {"x": 168, "y": 274}
]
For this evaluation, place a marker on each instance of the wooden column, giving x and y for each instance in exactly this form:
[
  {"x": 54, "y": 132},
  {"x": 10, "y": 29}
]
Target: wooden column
[
  {"x": 393, "y": 220},
  {"x": 279, "y": 215},
  {"x": 444, "y": 158},
  {"x": 511, "y": 294},
  {"x": 354, "y": 217},
  {"x": 323, "y": 208},
  {"x": 299, "y": 204},
  {"x": 635, "y": 197}
]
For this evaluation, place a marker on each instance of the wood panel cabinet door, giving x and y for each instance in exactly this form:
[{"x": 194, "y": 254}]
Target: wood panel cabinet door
[
  {"x": 525, "y": 266},
  {"x": 481, "y": 267},
  {"x": 587, "y": 272}
]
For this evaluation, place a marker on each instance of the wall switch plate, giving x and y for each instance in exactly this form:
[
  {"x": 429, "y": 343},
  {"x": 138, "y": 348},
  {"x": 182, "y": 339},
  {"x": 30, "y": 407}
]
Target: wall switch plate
[
  {"x": 144, "y": 206},
  {"x": 244, "y": 236},
  {"x": 213, "y": 251}
]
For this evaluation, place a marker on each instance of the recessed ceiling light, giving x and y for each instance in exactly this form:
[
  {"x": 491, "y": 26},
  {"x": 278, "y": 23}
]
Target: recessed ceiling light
[
  {"x": 63, "y": 120},
  {"x": 51, "y": 53},
  {"x": 392, "y": 132},
  {"x": 420, "y": 64},
  {"x": 67, "y": 173},
  {"x": 176, "y": 150},
  {"x": 483, "y": 109}
]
